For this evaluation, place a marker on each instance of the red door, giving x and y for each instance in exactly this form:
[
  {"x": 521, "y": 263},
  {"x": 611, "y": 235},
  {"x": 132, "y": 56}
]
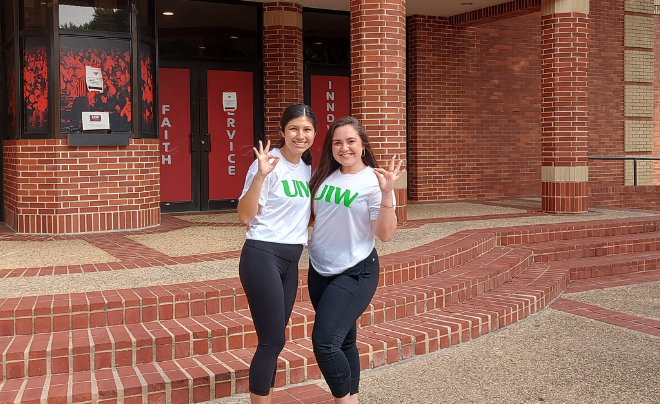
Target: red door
[
  {"x": 330, "y": 100},
  {"x": 207, "y": 132},
  {"x": 230, "y": 132}
]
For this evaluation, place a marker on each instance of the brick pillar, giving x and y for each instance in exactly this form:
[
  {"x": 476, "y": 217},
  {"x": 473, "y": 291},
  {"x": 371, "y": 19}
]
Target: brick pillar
[
  {"x": 564, "y": 103},
  {"x": 378, "y": 81},
  {"x": 283, "y": 62},
  {"x": 53, "y": 188}
]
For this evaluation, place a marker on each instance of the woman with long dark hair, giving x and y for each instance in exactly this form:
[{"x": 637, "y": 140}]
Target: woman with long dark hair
[
  {"x": 353, "y": 202},
  {"x": 275, "y": 205}
]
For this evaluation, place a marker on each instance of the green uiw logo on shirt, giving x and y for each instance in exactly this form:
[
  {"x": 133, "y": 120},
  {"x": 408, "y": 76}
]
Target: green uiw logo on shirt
[
  {"x": 299, "y": 187},
  {"x": 340, "y": 197}
]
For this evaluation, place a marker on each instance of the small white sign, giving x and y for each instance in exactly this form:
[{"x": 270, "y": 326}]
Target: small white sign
[
  {"x": 94, "y": 79},
  {"x": 95, "y": 120},
  {"x": 229, "y": 101}
]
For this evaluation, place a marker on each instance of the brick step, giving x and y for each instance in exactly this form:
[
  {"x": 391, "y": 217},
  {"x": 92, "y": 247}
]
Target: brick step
[
  {"x": 134, "y": 344},
  {"x": 54, "y": 313},
  {"x": 532, "y": 291},
  {"x": 609, "y": 265},
  {"x": 542, "y": 233},
  {"x": 452, "y": 286},
  {"x": 595, "y": 247},
  {"x": 219, "y": 375}
]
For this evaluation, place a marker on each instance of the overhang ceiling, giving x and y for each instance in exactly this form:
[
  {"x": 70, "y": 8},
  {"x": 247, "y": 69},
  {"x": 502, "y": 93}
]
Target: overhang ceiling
[{"x": 439, "y": 8}]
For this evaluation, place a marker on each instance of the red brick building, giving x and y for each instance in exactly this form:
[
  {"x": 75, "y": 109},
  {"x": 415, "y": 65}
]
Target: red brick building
[{"x": 115, "y": 109}]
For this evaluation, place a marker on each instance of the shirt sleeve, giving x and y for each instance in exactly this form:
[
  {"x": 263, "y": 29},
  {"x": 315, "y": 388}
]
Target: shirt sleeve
[{"x": 252, "y": 171}]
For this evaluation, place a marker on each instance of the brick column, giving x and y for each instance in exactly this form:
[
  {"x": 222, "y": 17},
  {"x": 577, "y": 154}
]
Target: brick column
[
  {"x": 53, "y": 188},
  {"x": 283, "y": 62},
  {"x": 378, "y": 80},
  {"x": 564, "y": 103}
]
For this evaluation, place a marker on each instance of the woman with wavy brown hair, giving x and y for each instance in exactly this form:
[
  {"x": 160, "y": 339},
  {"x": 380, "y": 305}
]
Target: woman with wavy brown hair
[{"x": 353, "y": 203}]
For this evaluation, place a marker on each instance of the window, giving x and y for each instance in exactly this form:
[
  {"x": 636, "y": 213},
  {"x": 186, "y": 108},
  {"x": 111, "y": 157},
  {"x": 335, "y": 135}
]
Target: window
[
  {"x": 113, "y": 57},
  {"x": 326, "y": 38},
  {"x": 95, "y": 15},
  {"x": 35, "y": 85},
  {"x": 147, "y": 78},
  {"x": 198, "y": 29}
]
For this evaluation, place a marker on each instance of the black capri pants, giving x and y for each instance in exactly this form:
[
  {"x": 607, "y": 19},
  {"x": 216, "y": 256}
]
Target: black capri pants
[
  {"x": 269, "y": 275},
  {"x": 339, "y": 300}
]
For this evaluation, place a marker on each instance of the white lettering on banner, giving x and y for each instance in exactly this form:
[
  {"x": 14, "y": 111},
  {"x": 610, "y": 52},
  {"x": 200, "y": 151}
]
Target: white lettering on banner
[
  {"x": 329, "y": 106},
  {"x": 165, "y": 122},
  {"x": 231, "y": 123}
]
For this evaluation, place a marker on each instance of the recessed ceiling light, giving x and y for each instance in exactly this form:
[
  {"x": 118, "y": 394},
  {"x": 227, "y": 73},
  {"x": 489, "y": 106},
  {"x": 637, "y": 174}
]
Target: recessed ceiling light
[
  {"x": 233, "y": 37},
  {"x": 202, "y": 47},
  {"x": 168, "y": 13},
  {"x": 318, "y": 43}
]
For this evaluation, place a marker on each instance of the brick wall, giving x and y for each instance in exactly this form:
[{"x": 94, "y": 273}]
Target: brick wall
[
  {"x": 640, "y": 197},
  {"x": 52, "y": 188},
  {"x": 283, "y": 62},
  {"x": 474, "y": 108}
]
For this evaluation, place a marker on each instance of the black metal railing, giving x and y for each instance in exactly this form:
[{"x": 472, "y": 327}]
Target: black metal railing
[{"x": 633, "y": 158}]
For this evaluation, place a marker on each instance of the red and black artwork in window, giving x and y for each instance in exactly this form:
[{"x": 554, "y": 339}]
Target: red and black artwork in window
[
  {"x": 147, "y": 72},
  {"x": 35, "y": 88},
  {"x": 113, "y": 57}
]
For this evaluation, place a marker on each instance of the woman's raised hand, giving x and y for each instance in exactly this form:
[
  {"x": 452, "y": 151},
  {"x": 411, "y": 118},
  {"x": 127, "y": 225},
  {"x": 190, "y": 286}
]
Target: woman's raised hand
[
  {"x": 265, "y": 166},
  {"x": 386, "y": 179}
]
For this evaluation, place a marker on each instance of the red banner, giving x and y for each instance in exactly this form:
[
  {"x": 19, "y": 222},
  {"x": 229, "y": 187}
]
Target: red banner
[
  {"x": 175, "y": 165},
  {"x": 330, "y": 100},
  {"x": 231, "y": 125}
]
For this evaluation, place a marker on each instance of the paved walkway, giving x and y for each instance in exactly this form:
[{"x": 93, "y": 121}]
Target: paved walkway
[{"x": 598, "y": 343}]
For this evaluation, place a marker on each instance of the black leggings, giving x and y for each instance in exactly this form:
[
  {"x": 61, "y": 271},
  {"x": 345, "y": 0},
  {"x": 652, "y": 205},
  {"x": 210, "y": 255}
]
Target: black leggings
[
  {"x": 339, "y": 301},
  {"x": 269, "y": 275}
]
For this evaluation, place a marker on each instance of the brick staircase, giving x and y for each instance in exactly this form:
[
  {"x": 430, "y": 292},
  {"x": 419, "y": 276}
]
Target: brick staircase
[{"x": 193, "y": 342}]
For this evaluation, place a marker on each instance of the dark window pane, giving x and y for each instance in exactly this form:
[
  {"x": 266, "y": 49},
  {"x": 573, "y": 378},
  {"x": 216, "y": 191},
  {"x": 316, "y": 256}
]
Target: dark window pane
[
  {"x": 209, "y": 30},
  {"x": 146, "y": 18},
  {"x": 8, "y": 19},
  {"x": 147, "y": 74},
  {"x": 95, "y": 15},
  {"x": 326, "y": 38},
  {"x": 113, "y": 56},
  {"x": 35, "y": 85},
  {"x": 34, "y": 14},
  {"x": 10, "y": 69}
]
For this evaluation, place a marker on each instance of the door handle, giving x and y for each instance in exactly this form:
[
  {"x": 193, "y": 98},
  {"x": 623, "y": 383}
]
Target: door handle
[
  {"x": 208, "y": 143},
  {"x": 192, "y": 143}
]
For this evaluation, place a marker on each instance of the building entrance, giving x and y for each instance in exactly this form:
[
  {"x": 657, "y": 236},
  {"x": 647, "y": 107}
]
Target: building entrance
[
  {"x": 210, "y": 101},
  {"x": 207, "y": 131}
]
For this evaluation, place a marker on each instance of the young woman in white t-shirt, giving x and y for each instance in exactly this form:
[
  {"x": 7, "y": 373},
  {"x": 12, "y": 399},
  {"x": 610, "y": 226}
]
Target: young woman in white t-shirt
[
  {"x": 353, "y": 203},
  {"x": 275, "y": 205}
]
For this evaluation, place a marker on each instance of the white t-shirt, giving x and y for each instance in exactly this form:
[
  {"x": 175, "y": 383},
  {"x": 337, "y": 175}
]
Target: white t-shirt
[
  {"x": 284, "y": 203},
  {"x": 344, "y": 206}
]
